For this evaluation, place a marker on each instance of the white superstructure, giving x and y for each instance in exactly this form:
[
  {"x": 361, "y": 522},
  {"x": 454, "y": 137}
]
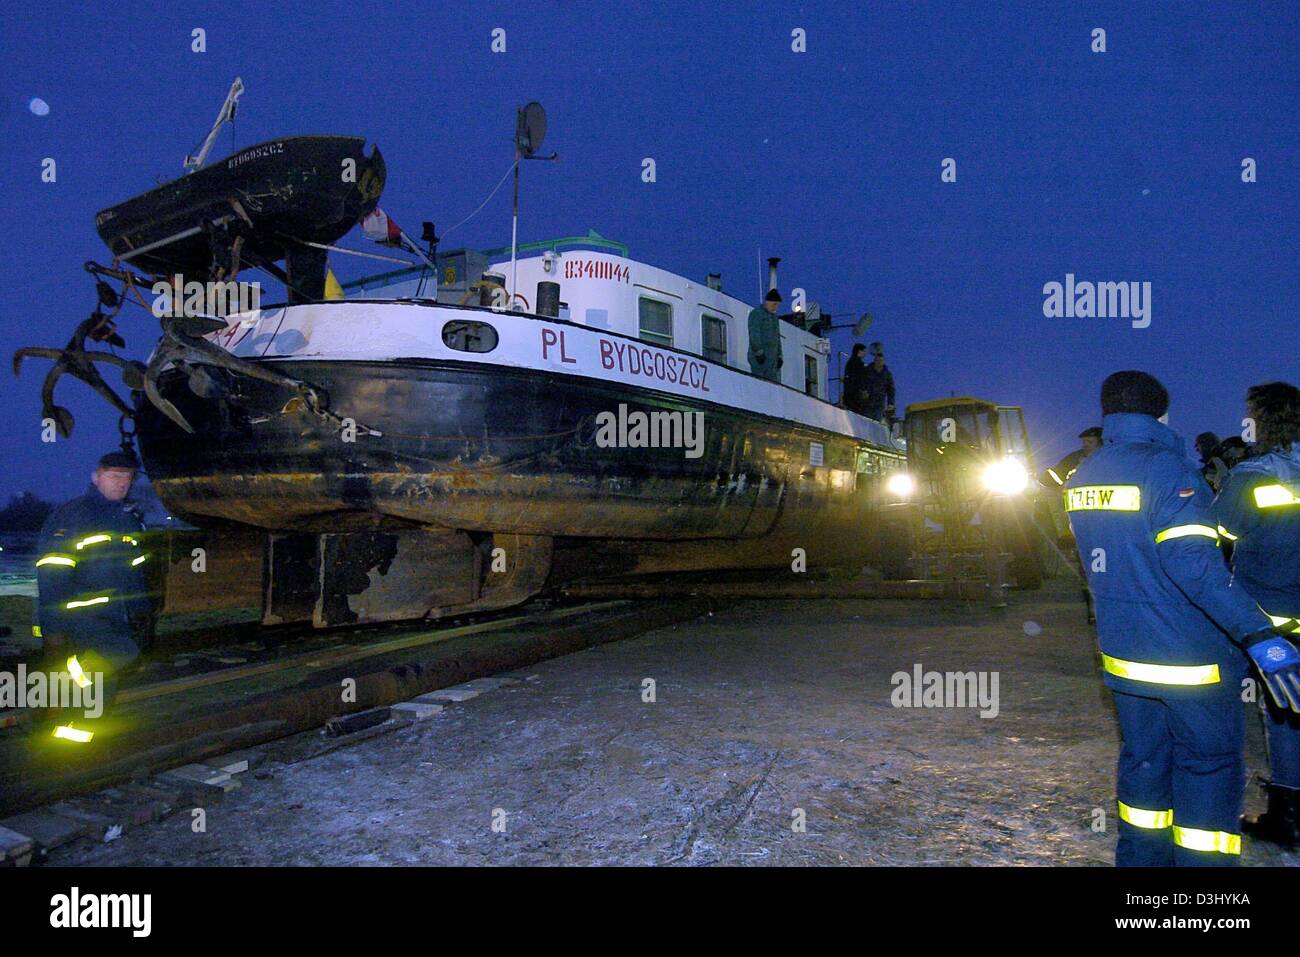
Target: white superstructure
[
  {"x": 604, "y": 290},
  {"x": 620, "y": 321}
]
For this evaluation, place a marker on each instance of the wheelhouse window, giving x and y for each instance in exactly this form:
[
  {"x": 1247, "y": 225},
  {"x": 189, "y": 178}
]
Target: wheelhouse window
[
  {"x": 810, "y": 384},
  {"x": 656, "y": 321},
  {"x": 713, "y": 336}
]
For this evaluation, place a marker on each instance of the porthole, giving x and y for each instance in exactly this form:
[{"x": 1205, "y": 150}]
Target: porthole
[{"x": 468, "y": 336}]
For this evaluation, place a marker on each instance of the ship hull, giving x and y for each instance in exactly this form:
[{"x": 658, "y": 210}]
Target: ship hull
[{"x": 492, "y": 449}]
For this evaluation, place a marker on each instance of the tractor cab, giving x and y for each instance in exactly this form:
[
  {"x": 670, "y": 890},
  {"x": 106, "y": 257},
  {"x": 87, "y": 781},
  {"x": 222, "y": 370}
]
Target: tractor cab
[
  {"x": 971, "y": 463},
  {"x": 970, "y": 443}
]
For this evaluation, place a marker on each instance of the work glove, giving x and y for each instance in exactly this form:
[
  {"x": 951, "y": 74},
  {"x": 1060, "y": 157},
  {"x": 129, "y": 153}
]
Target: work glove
[{"x": 1279, "y": 665}]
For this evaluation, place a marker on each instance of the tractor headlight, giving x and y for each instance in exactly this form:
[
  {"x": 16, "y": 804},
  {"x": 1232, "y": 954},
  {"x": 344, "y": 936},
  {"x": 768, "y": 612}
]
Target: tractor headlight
[
  {"x": 900, "y": 485},
  {"x": 1007, "y": 477}
]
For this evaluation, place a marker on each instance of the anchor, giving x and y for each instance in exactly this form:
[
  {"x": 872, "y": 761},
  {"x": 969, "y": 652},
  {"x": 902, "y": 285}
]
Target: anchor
[
  {"x": 181, "y": 345},
  {"x": 73, "y": 359}
]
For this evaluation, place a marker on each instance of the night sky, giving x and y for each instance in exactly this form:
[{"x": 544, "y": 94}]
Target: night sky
[{"x": 1116, "y": 166}]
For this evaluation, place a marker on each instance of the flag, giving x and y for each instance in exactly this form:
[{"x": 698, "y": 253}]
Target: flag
[
  {"x": 332, "y": 288},
  {"x": 378, "y": 227}
]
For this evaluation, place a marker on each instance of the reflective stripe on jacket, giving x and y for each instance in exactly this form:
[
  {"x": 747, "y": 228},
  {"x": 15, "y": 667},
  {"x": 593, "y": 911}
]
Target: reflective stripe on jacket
[
  {"x": 89, "y": 566},
  {"x": 1143, "y": 520},
  {"x": 1259, "y": 509}
]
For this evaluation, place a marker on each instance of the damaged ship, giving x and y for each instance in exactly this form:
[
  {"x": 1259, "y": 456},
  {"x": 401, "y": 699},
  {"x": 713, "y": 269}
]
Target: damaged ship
[{"x": 427, "y": 443}]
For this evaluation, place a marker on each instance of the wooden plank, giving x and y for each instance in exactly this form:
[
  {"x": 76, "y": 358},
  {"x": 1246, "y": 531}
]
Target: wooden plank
[{"x": 15, "y": 848}]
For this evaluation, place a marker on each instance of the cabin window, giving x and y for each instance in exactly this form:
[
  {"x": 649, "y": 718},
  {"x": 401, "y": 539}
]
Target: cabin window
[
  {"x": 467, "y": 336},
  {"x": 656, "y": 321},
  {"x": 810, "y": 385},
  {"x": 1011, "y": 428},
  {"x": 713, "y": 336}
]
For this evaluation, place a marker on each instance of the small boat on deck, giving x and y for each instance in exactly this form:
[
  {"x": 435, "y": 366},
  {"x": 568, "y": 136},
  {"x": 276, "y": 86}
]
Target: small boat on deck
[{"x": 304, "y": 188}]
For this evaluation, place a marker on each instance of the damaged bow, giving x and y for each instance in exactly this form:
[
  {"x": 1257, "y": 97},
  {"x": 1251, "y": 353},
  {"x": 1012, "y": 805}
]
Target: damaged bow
[{"x": 182, "y": 346}]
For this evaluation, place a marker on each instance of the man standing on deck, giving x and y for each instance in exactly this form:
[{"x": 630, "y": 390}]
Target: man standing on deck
[
  {"x": 765, "y": 338},
  {"x": 855, "y": 381},
  {"x": 878, "y": 382},
  {"x": 94, "y": 610}
]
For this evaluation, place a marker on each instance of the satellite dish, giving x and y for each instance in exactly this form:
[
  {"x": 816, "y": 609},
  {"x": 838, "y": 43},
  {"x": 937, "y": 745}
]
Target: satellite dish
[
  {"x": 864, "y": 323},
  {"x": 530, "y": 128}
]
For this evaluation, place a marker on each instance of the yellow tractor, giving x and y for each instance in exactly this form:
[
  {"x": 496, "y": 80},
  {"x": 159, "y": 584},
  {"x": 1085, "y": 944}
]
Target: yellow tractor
[{"x": 969, "y": 494}]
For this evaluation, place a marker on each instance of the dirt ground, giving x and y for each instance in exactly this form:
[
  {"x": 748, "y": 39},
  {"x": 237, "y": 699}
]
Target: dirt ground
[{"x": 765, "y": 716}]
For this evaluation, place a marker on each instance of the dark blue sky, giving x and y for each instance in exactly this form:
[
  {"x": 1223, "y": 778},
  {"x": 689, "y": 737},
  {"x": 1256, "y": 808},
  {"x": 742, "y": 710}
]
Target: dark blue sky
[{"x": 1117, "y": 166}]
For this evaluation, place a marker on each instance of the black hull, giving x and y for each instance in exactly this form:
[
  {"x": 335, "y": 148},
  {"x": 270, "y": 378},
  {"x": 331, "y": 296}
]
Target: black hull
[
  {"x": 489, "y": 449},
  {"x": 293, "y": 186}
]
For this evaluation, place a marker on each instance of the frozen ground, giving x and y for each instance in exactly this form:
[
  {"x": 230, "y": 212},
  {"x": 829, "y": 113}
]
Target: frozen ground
[{"x": 764, "y": 714}]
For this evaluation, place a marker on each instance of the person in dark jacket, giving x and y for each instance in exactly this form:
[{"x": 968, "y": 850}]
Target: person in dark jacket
[
  {"x": 878, "y": 382},
  {"x": 1168, "y": 619},
  {"x": 765, "y": 338},
  {"x": 93, "y": 608},
  {"x": 855, "y": 381},
  {"x": 1205, "y": 445},
  {"x": 1213, "y": 468},
  {"x": 1055, "y": 477},
  {"x": 1233, "y": 450},
  {"x": 1258, "y": 510},
  {"x": 1060, "y": 473}
]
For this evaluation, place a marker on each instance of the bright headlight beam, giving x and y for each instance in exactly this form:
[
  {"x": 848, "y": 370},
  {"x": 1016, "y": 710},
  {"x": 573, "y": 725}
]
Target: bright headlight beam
[
  {"x": 1007, "y": 477},
  {"x": 900, "y": 484}
]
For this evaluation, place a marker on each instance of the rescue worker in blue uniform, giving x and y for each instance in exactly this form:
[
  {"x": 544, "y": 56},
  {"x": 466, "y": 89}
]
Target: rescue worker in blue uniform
[
  {"x": 1166, "y": 611},
  {"x": 1258, "y": 509},
  {"x": 94, "y": 610}
]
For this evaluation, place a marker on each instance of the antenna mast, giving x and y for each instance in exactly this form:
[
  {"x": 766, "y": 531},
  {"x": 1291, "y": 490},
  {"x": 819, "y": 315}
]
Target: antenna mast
[{"x": 530, "y": 130}]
